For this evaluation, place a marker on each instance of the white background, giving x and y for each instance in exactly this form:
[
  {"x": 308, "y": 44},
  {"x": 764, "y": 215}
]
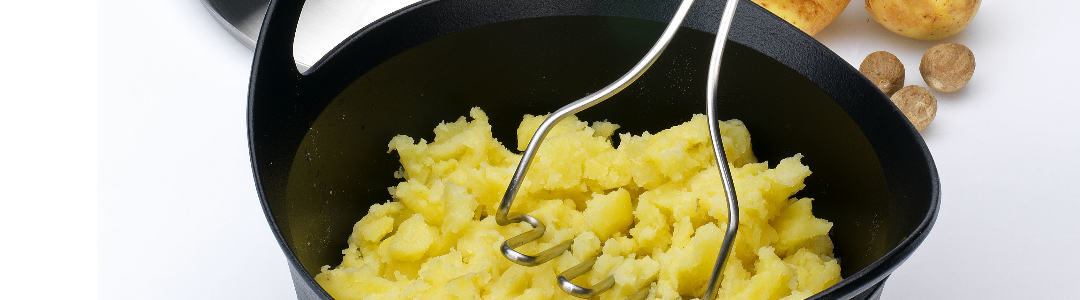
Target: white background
[{"x": 126, "y": 171}]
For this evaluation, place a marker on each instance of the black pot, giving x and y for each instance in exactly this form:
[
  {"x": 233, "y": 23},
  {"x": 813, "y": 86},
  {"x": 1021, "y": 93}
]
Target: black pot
[{"x": 318, "y": 140}]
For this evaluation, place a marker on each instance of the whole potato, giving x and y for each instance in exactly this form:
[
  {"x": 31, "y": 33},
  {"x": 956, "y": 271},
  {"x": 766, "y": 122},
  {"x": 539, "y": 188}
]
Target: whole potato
[
  {"x": 923, "y": 19},
  {"x": 810, "y": 16}
]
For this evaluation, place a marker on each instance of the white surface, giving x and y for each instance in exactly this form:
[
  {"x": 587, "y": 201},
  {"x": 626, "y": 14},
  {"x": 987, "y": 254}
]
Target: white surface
[
  {"x": 178, "y": 217},
  {"x": 1006, "y": 149},
  {"x": 178, "y": 214},
  {"x": 48, "y": 141}
]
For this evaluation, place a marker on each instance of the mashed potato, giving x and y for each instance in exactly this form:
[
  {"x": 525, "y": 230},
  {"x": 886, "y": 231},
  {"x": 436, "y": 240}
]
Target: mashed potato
[{"x": 654, "y": 207}]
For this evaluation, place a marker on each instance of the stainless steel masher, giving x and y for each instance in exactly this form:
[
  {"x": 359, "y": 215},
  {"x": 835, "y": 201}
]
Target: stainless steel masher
[{"x": 504, "y": 217}]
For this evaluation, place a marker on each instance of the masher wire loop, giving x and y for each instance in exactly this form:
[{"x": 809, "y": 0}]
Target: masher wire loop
[
  {"x": 528, "y": 236},
  {"x": 578, "y": 270},
  {"x": 503, "y": 216}
]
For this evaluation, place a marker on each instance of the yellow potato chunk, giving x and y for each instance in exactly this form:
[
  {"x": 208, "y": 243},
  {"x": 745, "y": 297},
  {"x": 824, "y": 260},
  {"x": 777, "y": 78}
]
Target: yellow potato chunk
[
  {"x": 807, "y": 264},
  {"x": 773, "y": 279},
  {"x": 652, "y": 210},
  {"x": 412, "y": 240},
  {"x": 377, "y": 223},
  {"x": 797, "y": 226},
  {"x": 609, "y": 214}
]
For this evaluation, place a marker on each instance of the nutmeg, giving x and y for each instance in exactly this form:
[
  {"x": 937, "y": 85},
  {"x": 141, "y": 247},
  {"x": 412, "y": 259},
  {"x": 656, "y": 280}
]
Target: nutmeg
[
  {"x": 917, "y": 104},
  {"x": 884, "y": 70},
  {"x": 947, "y": 67}
]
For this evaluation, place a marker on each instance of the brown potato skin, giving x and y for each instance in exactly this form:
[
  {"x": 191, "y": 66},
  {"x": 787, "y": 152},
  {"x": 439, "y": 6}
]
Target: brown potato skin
[
  {"x": 923, "y": 19},
  {"x": 811, "y": 16}
]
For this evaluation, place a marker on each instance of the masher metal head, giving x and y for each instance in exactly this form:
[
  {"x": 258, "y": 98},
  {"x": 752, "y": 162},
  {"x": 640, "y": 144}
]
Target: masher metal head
[{"x": 505, "y": 217}]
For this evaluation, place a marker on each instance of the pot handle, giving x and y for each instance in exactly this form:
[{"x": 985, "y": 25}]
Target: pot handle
[{"x": 274, "y": 49}]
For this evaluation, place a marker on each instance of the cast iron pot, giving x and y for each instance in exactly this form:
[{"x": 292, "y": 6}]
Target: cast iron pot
[{"x": 319, "y": 139}]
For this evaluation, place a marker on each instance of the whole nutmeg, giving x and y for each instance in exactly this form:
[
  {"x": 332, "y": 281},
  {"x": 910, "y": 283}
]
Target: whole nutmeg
[
  {"x": 884, "y": 70},
  {"x": 917, "y": 104},
  {"x": 947, "y": 67}
]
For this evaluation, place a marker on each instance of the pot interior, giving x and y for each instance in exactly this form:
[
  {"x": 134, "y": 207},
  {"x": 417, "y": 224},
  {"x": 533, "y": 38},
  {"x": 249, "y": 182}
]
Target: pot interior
[{"x": 534, "y": 66}]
